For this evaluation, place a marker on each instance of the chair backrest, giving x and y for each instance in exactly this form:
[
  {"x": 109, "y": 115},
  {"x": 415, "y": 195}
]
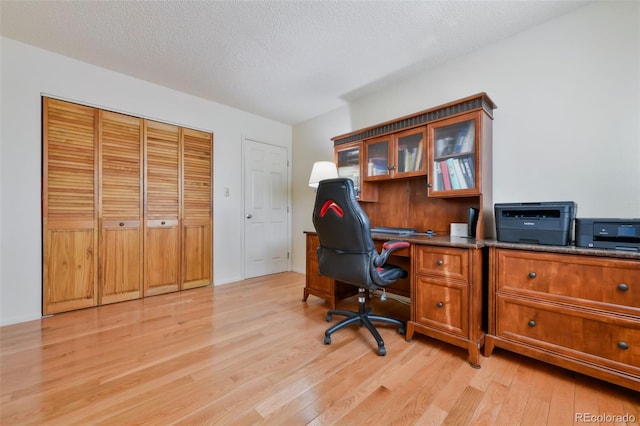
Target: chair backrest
[{"x": 346, "y": 247}]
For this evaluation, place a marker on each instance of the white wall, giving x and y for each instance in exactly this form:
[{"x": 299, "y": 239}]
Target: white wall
[
  {"x": 567, "y": 125},
  {"x": 313, "y": 144},
  {"x": 28, "y": 72}
]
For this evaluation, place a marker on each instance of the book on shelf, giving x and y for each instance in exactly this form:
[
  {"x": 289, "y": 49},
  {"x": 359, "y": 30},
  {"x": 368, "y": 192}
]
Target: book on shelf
[
  {"x": 468, "y": 171},
  {"x": 419, "y": 155},
  {"x": 438, "y": 181},
  {"x": 462, "y": 181},
  {"x": 465, "y": 139},
  {"x": 377, "y": 166},
  {"x": 470, "y": 138},
  {"x": 446, "y": 177},
  {"x": 462, "y": 134}
]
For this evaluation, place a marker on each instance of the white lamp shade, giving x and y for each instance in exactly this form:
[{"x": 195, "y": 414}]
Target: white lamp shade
[{"x": 322, "y": 170}]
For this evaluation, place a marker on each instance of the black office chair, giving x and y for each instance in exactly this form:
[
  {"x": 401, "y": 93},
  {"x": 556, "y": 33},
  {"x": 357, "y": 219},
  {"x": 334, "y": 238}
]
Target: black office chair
[{"x": 347, "y": 253}]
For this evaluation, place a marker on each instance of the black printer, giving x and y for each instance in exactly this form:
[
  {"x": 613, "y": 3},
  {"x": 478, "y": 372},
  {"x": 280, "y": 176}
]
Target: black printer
[
  {"x": 548, "y": 223},
  {"x": 618, "y": 234}
]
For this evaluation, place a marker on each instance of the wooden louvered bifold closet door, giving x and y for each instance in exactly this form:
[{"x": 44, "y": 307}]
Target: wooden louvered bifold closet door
[
  {"x": 162, "y": 208},
  {"x": 127, "y": 207},
  {"x": 69, "y": 207},
  {"x": 121, "y": 238},
  {"x": 196, "y": 208}
]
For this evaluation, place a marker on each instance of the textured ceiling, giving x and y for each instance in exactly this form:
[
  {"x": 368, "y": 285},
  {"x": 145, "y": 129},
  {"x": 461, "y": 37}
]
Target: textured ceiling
[{"x": 286, "y": 60}]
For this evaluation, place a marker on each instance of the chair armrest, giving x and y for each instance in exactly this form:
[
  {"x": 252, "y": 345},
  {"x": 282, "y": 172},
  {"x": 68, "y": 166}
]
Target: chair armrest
[{"x": 388, "y": 248}]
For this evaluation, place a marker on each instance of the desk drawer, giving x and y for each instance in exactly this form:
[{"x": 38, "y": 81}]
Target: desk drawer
[
  {"x": 610, "y": 284},
  {"x": 442, "y": 304},
  {"x": 443, "y": 262},
  {"x": 603, "y": 339}
]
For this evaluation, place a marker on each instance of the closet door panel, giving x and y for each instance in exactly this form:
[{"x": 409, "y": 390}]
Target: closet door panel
[
  {"x": 162, "y": 208},
  {"x": 121, "y": 241},
  {"x": 162, "y": 257},
  {"x": 197, "y": 254},
  {"x": 197, "y": 246},
  {"x": 69, "y": 206}
]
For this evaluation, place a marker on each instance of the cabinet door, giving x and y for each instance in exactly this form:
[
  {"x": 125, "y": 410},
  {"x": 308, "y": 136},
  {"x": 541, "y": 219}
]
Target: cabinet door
[
  {"x": 379, "y": 158},
  {"x": 197, "y": 247},
  {"x": 410, "y": 153},
  {"x": 69, "y": 207},
  {"x": 162, "y": 208},
  {"x": 349, "y": 161},
  {"x": 120, "y": 207},
  {"x": 453, "y": 144}
]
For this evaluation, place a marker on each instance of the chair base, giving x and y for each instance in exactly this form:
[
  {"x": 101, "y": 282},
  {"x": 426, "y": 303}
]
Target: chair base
[{"x": 363, "y": 317}]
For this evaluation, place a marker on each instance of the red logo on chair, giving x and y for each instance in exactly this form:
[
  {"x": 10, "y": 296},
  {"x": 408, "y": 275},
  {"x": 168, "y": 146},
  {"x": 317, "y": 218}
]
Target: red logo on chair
[{"x": 331, "y": 205}]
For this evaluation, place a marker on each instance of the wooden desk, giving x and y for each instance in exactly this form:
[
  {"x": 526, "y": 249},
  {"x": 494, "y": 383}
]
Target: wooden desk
[{"x": 444, "y": 284}]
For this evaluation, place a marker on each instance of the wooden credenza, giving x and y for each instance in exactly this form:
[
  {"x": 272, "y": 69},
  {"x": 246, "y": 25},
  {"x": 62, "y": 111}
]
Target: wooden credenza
[
  {"x": 575, "y": 308},
  {"x": 444, "y": 284}
]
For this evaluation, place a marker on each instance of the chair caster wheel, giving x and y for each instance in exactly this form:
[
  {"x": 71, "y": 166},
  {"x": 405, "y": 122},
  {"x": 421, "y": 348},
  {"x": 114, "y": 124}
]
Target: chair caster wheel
[
  {"x": 327, "y": 340},
  {"x": 402, "y": 330},
  {"x": 382, "y": 351},
  {"x": 328, "y": 318}
]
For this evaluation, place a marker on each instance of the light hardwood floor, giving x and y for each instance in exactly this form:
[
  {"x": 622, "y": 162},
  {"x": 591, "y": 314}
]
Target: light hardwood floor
[{"x": 253, "y": 353}]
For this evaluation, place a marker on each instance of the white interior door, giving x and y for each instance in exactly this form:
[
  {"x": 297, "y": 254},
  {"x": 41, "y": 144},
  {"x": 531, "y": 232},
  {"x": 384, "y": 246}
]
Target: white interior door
[{"x": 266, "y": 201}]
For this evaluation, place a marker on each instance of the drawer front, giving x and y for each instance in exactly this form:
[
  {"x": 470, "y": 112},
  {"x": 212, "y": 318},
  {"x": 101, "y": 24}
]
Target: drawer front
[
  {"x": 441, "y": 304},
  {"x": 610, "y": 284},
  {"x": 442, "y": 262},
  {"x": 604, "y": 339}
]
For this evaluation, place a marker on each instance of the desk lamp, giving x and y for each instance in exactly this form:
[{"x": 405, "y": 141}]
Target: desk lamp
[{"x": 322, "y": 170}]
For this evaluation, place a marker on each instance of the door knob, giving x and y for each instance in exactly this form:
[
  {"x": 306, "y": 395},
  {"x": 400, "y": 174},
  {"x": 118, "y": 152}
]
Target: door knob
[{"x": 249, "y": 216}]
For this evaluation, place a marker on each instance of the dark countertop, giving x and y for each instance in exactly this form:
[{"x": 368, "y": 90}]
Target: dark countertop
[
  {"x": 434, "y": 240},
  {"x": 571, "y": 249},
  {"x": 465, "y": 242}
]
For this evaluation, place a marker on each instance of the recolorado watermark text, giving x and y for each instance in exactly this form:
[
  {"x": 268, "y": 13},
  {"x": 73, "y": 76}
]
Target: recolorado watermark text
[{"x": 605, "y": 418}]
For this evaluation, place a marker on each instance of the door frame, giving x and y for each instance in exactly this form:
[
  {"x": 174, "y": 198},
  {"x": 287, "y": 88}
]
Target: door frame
[{"x": 248, "y": 139}]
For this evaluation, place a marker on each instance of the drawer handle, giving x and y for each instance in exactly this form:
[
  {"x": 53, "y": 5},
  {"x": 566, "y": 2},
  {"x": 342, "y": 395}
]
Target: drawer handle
[
  {"x": 121, "y": 223},
  {"x": 439, "y": 304},
  {"x": 623, "y": 345},
  {"x": 531, "y": 323},
  {"x": 532, "y": 274},
  {"x": 440, "y": 262},
  {"x": 623, "y": 287},
  {"x": 163, "y": 222}
]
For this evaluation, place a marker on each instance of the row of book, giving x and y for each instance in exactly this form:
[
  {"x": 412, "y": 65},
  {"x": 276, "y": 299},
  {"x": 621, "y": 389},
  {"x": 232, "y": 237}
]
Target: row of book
[
  {"x": 454, "y": 173},
  {"x": 453, "y": 144},
  {"x": 410, "y": 158}
]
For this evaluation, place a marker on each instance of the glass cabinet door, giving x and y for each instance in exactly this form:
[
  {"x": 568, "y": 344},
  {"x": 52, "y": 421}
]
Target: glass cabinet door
[
  {"x": 348, "y": 163},
  {"x": 410, "y": 153},
  {"x": 378, "y": 165},
  {"x": 454, "y": 166}
]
